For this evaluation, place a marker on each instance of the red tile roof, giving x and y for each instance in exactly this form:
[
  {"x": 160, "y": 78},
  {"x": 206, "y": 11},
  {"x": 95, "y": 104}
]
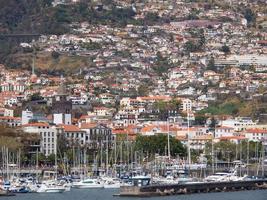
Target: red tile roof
[
  {"x": 88, "y": 125},
  {"x": 71, "y": 128},
  {"x": 256, "y": 131},
  {"x": 232, "y": 138}
]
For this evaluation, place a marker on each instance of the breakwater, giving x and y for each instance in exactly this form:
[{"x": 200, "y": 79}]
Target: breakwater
[{"x": 189, "y": 188}]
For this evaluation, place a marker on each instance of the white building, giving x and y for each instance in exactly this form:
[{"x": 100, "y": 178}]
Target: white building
[
  {"x": 74, "y": 134},
  {"x": 9, "y": 112},
  {"x": 26, "y": 117},
  {"x": 186, "y": 105},
  {"x": 10, "y": 101},
  {"x": 239, "y": 123},
  {"x": 224, "y": 131},
  {"x": 48, "y": 134},
  {"x": 62, "y": 118},
  {"x": 256, "y": 135}
]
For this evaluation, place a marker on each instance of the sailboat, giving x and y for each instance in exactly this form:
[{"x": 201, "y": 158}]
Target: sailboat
[{"x": 52, "y": 186}]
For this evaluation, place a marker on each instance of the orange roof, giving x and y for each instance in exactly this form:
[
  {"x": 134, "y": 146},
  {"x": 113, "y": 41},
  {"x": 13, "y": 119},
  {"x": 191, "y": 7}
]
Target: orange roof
[
  {"x": 9, "y": 118},
  {"x": 163, "y": 128},
  {"x": 123, "y": 131},
  {"x": 71, "y": 128},
  {"x": 88, "y": 125},
  {"x": 232, "y": 138},
  {"x": 256, "y": 131}
]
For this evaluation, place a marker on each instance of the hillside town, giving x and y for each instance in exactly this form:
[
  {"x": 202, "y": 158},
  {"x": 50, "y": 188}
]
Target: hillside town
[
  {"x": 143, "y": 97},
  {"x": 199, "y": 76}
]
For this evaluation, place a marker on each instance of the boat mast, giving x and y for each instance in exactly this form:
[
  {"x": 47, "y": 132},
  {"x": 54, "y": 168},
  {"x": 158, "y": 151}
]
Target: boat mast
[
  {"x": 247, "y": 156},
  {"x": 106, "y": 155},
  {"x": 56, "y": 160},
  {"x": 262, "y": 163},
  {"x": 168, "y": 130},
  {"x": 188, "y": 142}
]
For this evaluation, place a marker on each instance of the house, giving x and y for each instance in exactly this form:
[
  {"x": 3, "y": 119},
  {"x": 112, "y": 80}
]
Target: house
[
  {"x": 158, "y": 128},
  {"x": 10, "y": 121},
  {"x": 106, "y": 98},
  {"x": 97, "y": 135},
  {"x": 224, "y": 131},
  {"x": 186, "y": 105},
  {"x": 74, "y": 135},
  {"x": 235, "y": 139},
  {"x": 48, "y": 133},
  {"x": 256, "y": 134},
  {"x": 126, "y": 133},
  {"x": 102, "y": 111},
  {"x": 239, "y": 123}
]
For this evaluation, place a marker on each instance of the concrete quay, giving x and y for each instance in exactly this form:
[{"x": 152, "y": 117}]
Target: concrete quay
[{"x": 189, "y": 188}]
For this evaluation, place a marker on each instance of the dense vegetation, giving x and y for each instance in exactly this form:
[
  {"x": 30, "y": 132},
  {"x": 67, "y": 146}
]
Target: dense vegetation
[
  {"x": 17, "y": 141},
  {"x": 41, "y": 17},
  {"x": 158, "y": 144}
]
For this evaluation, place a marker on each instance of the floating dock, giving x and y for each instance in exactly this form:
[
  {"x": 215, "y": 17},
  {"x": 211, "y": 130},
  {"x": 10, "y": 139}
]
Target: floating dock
[{"x": 189, "y": 188}]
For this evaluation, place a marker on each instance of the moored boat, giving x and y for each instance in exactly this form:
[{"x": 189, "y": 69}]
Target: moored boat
[
  {"x": 88, "y": 183},
  {"x": 47, "y": 187}
]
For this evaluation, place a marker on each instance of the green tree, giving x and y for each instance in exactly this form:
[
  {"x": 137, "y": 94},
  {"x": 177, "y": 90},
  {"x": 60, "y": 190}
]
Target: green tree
[
  {"x": 249, "y": 15},
  {"x": 162, "y": 64},
  {"x": 55, "y": 54},
  {"x": 158, "y": 144},
  {"x": 143, "y": 90},
  {"x": 151, "y": 18},
  {"x": 211, "y": 65},
  {"x": 200, "y": 119},
  {"x": 225, "y": 49},
  {"x": 36, "y": 97}
]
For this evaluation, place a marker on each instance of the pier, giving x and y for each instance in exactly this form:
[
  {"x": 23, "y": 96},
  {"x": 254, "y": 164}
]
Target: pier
[{"x": 190, "y": 188}]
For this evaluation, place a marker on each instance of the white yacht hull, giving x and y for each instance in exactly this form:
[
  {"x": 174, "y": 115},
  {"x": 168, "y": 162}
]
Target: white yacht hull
[
  {"x": 84, "y": 186},
  {"x": 112, "y": 186},
  {"x": 51, "y": 190}
]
